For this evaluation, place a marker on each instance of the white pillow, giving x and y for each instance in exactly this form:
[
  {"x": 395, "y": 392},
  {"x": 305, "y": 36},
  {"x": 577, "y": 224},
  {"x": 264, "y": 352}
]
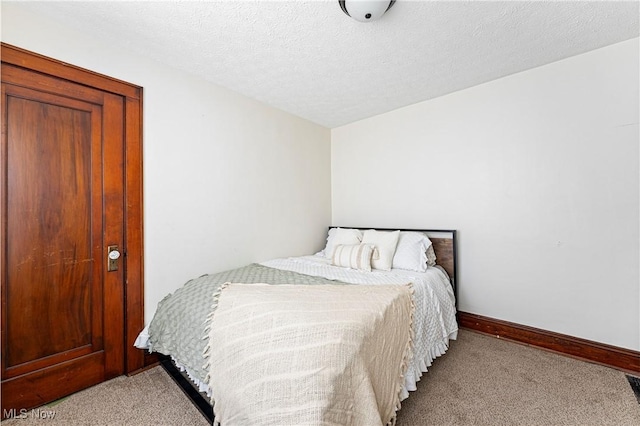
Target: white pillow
[
  {"x": 413, "y": 252},
  {"x": 385, "y": 242},
  {"x": 355, "y": 256},
  {"x": 339, "y": 236}
]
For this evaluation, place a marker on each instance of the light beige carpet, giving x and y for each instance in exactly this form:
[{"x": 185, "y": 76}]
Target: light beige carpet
[
  {"x": 480, "y": 381},
  {"x": 149, "y": 398},
  {"x": 486, "y": 381}
]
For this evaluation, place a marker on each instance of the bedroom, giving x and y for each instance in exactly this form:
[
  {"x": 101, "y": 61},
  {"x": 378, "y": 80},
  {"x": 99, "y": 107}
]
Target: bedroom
[{"x": 538, "y": 176}]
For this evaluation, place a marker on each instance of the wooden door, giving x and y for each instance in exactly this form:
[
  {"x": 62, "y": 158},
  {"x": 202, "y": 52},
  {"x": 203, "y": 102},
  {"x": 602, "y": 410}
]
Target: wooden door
[{"x": 63, "y": 202}]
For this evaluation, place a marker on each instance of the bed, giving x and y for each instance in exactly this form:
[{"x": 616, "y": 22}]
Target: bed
[{"x": 401, "y": 274}]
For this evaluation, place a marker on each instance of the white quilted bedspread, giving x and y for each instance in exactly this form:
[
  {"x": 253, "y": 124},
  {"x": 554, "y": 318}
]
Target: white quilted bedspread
[
  {"x": 434, "y": 317},
  {"x": 309, "y": 355}
]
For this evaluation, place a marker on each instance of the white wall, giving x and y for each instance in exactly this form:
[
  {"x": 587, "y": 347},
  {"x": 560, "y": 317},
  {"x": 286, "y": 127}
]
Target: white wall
[
  {"x": 538, "y": 172},
  {"x": 227, "y": 180}
]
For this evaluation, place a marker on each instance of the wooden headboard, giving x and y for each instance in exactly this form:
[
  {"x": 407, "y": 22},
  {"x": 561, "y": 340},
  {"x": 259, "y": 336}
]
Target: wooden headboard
[{"x": 444, "y": 245}]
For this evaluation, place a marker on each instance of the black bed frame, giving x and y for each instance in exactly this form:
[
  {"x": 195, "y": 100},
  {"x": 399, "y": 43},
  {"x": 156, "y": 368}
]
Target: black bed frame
[{"x": 198, "y": 399}]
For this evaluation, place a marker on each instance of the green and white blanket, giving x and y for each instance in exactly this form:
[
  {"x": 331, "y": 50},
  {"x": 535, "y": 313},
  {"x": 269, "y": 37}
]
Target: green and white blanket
[{"x": 178, "y": 327}]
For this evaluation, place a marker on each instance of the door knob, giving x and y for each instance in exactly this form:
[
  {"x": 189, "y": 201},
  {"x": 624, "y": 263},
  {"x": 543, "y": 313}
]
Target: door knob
[{"x": 113, "y": 254}]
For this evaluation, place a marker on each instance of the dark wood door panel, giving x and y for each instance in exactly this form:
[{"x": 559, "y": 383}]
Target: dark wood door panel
[
  {"x": 70, "y": 185},
  {"x": 49, "y": 238},
  {"x": 62, "y": 200},
  {"x": 48, "y": 384}
]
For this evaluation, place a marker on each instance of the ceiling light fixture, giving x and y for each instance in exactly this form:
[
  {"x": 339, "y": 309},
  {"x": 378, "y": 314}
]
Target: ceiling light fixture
[{"x": 365, "y": 10}]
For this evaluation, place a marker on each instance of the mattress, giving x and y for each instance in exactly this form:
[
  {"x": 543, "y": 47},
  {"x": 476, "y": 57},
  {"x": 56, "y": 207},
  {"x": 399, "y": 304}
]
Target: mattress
[{"x": 178, "y": 327}]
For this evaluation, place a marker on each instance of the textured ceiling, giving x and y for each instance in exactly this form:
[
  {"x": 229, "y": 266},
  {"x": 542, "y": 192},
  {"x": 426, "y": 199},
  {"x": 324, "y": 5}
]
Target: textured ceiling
[{"x": 310, "y": 59}]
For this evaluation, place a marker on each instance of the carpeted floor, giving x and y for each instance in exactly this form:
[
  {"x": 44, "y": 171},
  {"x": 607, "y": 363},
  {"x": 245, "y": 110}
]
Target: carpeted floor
[
  {"x": 486, "y": 381},
  {"x": 149, "y": 398},
  {"x": 480, "y": 381}
]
